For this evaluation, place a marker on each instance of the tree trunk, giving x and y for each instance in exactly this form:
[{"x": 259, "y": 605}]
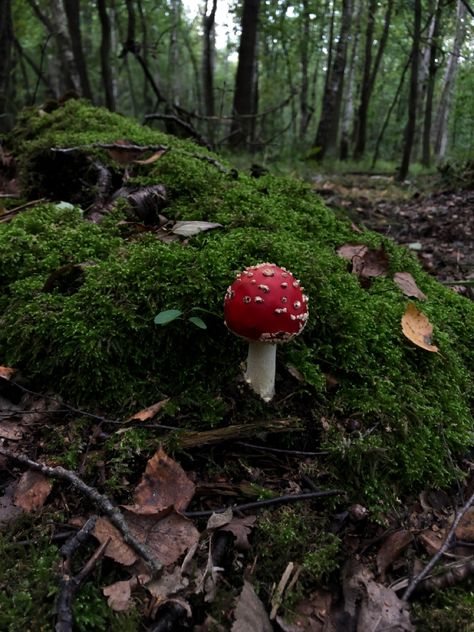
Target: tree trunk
[
  {"x": 370, "y": 73},
  {"x": 6, "y": 41},
  {"x": 244, "y": 106},
  {"x": 72, "y": 9},
  {"x": 328, "y": 128},
  {"x": 444, "y": 105},
  {"x": 174, "y": 89},
  {"x": 304, "y": 62},
  {"x": 105, "y": 55},
  {"x": 432, "y": 68},
  {"x": 348, "y": 106},
  {"x": 208, "y": 59},
  {"x": 413, "y": 94}
]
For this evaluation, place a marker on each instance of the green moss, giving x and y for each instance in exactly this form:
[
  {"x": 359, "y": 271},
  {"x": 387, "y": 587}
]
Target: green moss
[
  {"x": 447, "y": 610},
  {"x": 96, "y": 343}
]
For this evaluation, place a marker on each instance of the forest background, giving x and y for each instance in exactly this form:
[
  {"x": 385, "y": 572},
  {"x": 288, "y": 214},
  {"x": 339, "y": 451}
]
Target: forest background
[{"x": 387, "y": 84}]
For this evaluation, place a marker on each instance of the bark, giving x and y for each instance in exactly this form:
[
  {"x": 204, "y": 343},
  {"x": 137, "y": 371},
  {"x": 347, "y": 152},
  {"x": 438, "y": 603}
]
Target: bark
[
  {"x": 328, "y": 128},
  {"x": 244, "y": 105},
  {"x": 432, "y": 69},
  {"x": 208, "y": 59},
  {"x": 413, "y": 94},
  {"x": 72, "y": 9},
  {"x": 105, "y": 54},
  {"x": 444, "y": 105},
  {"x": 370, "y": 72},
  {"x": 348, "y": 108},
  {"x": 56, "y": 25},
  {"x": 304, "y": 63},
  {"x": 174, "y": 54},
  {"x": 6, "y": 41}
]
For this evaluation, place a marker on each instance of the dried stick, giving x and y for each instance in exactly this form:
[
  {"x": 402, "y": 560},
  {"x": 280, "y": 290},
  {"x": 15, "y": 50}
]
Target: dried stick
[
  {"x": 101, "y": 501},
  {"x": 445, "y": 546},
  {"x": 278, "y": 500},
  {"x": 69, "y": 583}
]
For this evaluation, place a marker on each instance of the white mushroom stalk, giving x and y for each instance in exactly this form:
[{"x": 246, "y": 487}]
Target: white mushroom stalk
[{"x": 266, "y": 306}]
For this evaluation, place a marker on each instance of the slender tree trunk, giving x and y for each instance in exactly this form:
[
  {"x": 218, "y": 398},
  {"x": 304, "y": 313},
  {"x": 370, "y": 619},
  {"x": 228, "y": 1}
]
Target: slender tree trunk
[
  {"x": 72, "y": 9},
  {"x": 432, "y": 68},
  {"x": 444, "y": 105},
  {"x": 413, "y": 94},
  {"x": 304, "y": 63},
  {"x": 174, "y": 82},
  {"x": 6, "y": 41},
  {"x": 348, "y": 106},
  {"x": 370, "y": 72},
  {"x": 244, "y": 105},
  {"x": 105, "y": 54},
  {"x": 328, "y": 128},
  {"x": 208, "y": 59}
]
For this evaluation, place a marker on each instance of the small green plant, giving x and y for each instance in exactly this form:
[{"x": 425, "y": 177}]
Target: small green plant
[{"x": 169, "y": 315}]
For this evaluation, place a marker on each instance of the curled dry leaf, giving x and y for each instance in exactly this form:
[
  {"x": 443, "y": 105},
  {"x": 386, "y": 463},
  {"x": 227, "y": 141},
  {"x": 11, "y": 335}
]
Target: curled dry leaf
[
  {"x": 168, "y": 584},
  {"x": 119, "y": 594},
  {"x": 11, "y": 430},
  {"x": 391, "y": 549},
  {"x": 191, "y": 228},
  {"x": 7, "y": 372},
  {"x": 241, "y": 528},
  {"x": 151, "y": 159},
  {"x": 164, "y": 484},
  {"x": 218, "y": 520},
  {"x": 32, "y": 490},
  {"x": 408, "y": 285},
  {"x": 366, "y": 263},
  {"x": 417, "y": 328},
  {"x": 149, "y": 412}
]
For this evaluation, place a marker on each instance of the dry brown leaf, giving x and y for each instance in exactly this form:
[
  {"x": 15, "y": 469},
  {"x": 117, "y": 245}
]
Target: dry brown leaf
[
  {"x": 465, "y": 529},
  {"x": 32, "y": 490},
  {"x": 431, "y": 541},
  {"x": 153, "y": 158},
  {"x": 7, "y": 373},
  {"x": 417, "y": 328},
  {"x": 117, "y": 549},
  {"x": 164, "y": 484},
  {"x": 119, "y": 594},
  {"x": 349, "y": 251},
  {"x": 11, "y": 430},
  {"x": 169, "y": 584},
  {"x": 310, "y": 614},
  {"x": 391, "y": 549},
  {"x": 373, "y": 263},
  {"x": 241, "y": 528},
  {"x": 408, "y": 285},
  {"x": 220, "y": 519},
  {"x": 250, "y": 614},
  {"x": 8, "y": 510},
  {"x": 149, "y": 412}
]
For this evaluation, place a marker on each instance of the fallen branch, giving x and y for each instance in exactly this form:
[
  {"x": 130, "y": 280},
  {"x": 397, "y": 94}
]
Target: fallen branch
[
  {"x": 8, "y": 215},
  {"x": 69, "y": 584},
  {"x": 130, "y": 147},
  {"x": 102, "y": 502},
  {"x": 439, "y": 554},
  {"x": 192, "y": 439},
  {"x": 269, "y": 502}
]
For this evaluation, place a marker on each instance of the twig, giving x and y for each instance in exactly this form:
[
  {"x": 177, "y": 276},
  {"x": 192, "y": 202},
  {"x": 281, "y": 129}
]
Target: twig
[
  {"x": 278, "y": 500},
  {"x": 119, "y": 146},
  {"x": 69, "y": 583},
  {"x": 265, "y": 448},
  {"x": 445, "y": 546},
  {"x": 184, "y": 124},
  {"x": 101, "y": 501},
  {"x": 7, "y": 216}
]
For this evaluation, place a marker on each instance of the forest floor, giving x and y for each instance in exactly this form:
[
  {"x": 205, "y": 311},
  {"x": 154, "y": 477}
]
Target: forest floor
[
  {"x": 434, "y": 221},
  {"x": 384, "y": 552}
]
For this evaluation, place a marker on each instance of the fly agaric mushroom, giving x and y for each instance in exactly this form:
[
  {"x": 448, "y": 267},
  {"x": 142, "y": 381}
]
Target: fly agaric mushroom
[{"x": 265, "y": 305}]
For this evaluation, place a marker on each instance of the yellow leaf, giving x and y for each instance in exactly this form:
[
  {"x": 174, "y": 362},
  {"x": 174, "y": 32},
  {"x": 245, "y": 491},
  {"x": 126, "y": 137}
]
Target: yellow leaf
[{"x": 418, "y": 328}]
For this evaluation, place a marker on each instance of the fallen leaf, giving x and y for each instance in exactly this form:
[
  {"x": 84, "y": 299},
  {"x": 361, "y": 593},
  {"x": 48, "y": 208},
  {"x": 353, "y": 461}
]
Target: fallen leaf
[
  {"x": 417, "y": 328},
  {"x": 8, "y": 510},
  {"x": 153, "y": 158},
  {"x": 220, "y": 519},
  {"x": 391, "y": 549},
  {"x": 465, "y": 528},
  {"x": 310, "y": 614},
  {"x": 431, "y": 541},
  {"x": 117, "y": 549},
  {"x": 169, "y": 584},
  {"x": 32, "y": 490},
  {"x": 373, "y": 263},
  {"x": 191, "y": 228},
  {"x": 250, "y": 614},
  {"x": 149, "y": 412},
  {"x": 349, "y": 251},
  {"x": 164, "y": 484},
  {"x": 11, "y": 430},
  {"x": 408, "y": 285},
  {"x": 7, "y": 373},
  {"x": 119, "y": 594},
  {"x": 241, "y": 528}
]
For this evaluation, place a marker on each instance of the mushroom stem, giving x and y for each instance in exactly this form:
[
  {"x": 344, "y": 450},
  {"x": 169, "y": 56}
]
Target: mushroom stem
[{"x": 260, "y": 372}]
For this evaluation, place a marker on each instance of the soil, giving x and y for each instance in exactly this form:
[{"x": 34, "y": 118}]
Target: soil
[{"x": 437, "y": 224}]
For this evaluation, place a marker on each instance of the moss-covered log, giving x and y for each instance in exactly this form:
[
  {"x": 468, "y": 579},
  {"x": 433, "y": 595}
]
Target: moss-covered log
[{"x": 97, "y": 342}]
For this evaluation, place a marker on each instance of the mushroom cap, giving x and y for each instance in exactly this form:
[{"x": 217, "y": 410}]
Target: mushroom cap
[{"x": 266, "y": 303}]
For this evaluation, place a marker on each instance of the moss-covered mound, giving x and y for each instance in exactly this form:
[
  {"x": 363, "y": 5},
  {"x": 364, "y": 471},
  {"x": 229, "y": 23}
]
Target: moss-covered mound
[{"x": 393, "y": 412}]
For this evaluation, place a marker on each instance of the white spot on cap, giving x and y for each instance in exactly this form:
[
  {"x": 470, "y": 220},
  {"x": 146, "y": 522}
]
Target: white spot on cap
[
  {"x": 284, "y": 299},
  {"x": 258, "y": 299},
  {"x": 296, "y": 283},
  {"x": 280, "y": 310},
  {"x": 246, "y": 299},
  {"x": 297, "y": 304},
  {"x": 268, "y": 272},
  {"x": 284, "y": 285},
  {"x": 264, "y": 288}
]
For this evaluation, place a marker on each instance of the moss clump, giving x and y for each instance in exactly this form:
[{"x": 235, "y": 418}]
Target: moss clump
[{"x": 98, "y": 343}]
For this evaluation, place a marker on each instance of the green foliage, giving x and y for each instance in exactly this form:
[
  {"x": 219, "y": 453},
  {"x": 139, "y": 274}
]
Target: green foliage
[
  {"x": 97, "y": 342},
  {"x": 447, "y": 610}
]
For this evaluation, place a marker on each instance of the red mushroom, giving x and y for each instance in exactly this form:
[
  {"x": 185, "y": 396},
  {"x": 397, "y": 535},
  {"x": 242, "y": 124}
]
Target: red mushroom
[{"x": 265, "y": 305}]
